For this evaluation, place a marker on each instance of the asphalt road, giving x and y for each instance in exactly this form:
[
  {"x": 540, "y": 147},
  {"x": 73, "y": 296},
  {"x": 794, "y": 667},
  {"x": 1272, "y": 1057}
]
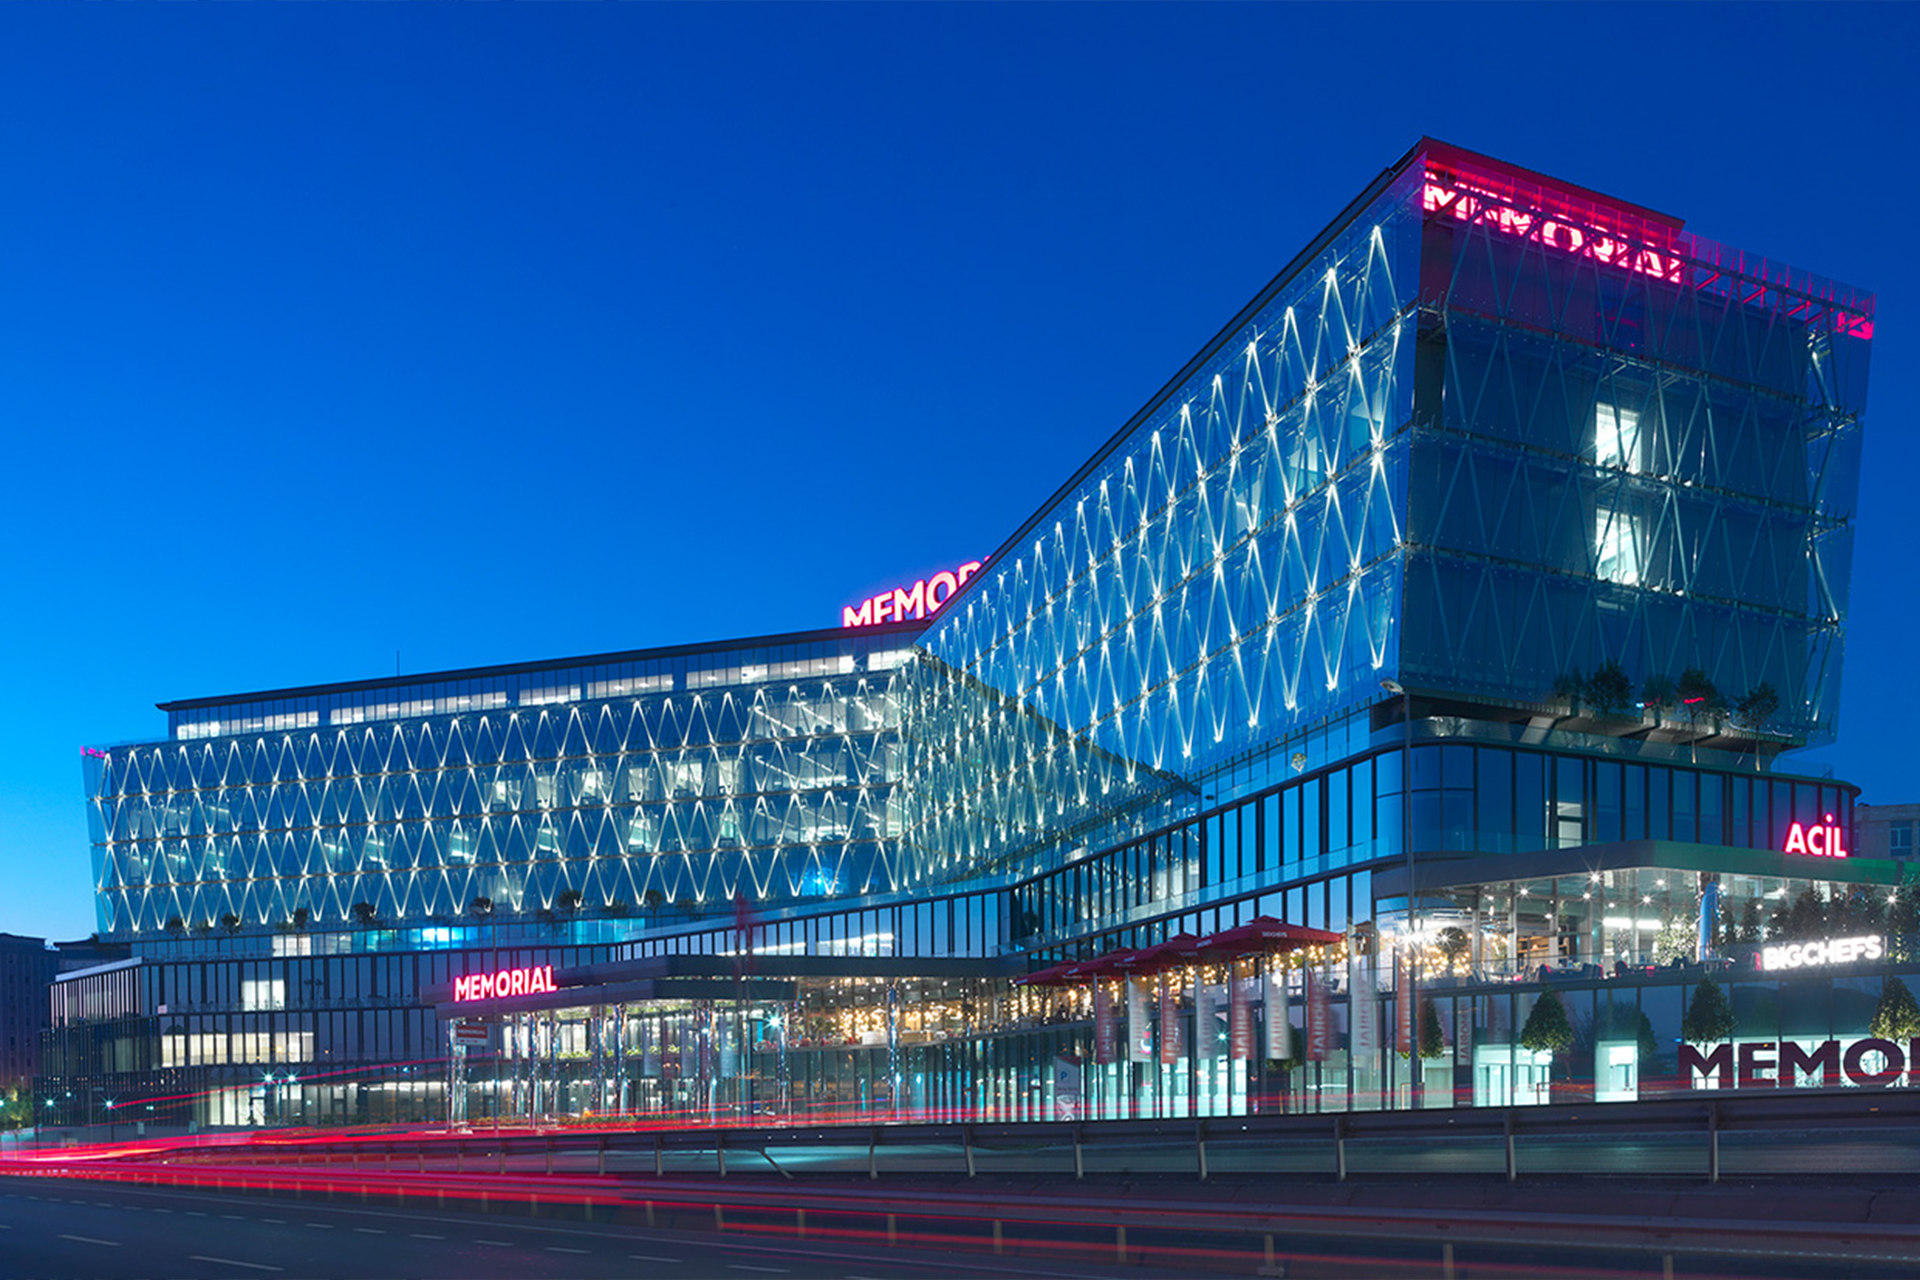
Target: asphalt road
[
  {"x": 56, "y": 1229},
  {"x": 52, "y": 1229}
]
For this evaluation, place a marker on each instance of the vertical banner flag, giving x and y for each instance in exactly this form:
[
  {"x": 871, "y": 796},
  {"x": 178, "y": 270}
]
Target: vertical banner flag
[
  {"x": 1139, "y": 1034},
  {"x": 1363, "y": 1013},
  {"x": 1403, "y": 1001},
  {"x": 1463, "y": 1031},
  {"x": 1319, "y": 1017},
  {"x": 1170, "y": 1046},
  {"x": 1206, "y": 1025},
  {"x": 1239, "y": 1015},
  {"x": 1279, "y": 1028},
  {"x": 1106, "y": 1028}
]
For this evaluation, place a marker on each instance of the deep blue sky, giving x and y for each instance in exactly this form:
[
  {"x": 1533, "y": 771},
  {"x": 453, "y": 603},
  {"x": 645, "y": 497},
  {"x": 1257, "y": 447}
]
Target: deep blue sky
[{"x": 492, "y": 333}]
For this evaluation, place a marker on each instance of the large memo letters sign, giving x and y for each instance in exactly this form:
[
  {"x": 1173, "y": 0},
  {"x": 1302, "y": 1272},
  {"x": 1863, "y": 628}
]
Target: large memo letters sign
[
  {"x": 502, "y": 983},
  {"x": 1729, "y": 1067}
]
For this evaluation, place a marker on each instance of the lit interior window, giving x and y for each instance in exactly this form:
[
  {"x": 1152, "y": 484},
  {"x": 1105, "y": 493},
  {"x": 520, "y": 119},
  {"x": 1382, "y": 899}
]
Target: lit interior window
[
  {"x": 1616, "y": 437},
  {"x": 1617, "y": 547}
]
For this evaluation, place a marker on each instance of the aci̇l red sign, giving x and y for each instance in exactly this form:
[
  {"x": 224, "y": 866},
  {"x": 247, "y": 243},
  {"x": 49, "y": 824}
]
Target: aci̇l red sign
[{"x": 1821, "y": 839}]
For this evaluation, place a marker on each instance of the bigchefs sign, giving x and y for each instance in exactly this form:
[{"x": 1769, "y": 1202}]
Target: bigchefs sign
[
  {"x": 906, "y": 604},
  {"x": 503, "y": 983},
  {"x": 1809, "y": 955}
]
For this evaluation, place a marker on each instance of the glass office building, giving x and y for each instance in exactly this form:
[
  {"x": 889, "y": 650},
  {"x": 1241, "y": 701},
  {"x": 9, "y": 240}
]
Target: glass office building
[
  {"x": 1454, "y": 607},
  {"x": 762, "y": 768}
]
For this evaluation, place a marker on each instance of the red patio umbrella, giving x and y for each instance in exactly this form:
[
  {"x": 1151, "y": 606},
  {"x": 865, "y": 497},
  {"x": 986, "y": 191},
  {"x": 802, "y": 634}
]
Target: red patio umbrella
[
  {"x": 1057, "y": 975},
  {"x": 1263, "y": 935},
  {"x": 1105, "y": 966},
  {"x": 1174, "y": 952}
]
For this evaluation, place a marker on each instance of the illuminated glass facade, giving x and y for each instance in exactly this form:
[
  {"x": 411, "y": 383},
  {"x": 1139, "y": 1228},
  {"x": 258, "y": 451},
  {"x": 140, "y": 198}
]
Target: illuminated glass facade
[
  {"x": 1486, "y": 431},
  {"x": 1457, "y": 600},
  {"x": 610, "y": 786}
]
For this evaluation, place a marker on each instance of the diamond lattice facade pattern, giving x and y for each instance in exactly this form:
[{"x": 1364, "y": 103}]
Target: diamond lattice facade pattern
[
  {"x": 762, "y": 776},
  {"x": 1482, "y": 433}
]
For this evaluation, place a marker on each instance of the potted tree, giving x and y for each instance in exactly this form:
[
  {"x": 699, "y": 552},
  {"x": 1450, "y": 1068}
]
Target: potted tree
[
  {"x": 1897, "y": 1017},
  {"x": 1549, "y": 1031},
  {"x": 1609, "y": 692},
  {"x": 1903, "y": 918},
  {"x": 1709, "y": 1018}
]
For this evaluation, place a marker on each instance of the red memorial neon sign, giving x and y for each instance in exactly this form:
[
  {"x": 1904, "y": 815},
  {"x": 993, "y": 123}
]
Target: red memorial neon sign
[
  {"x": 905, "y": 604},
  {"x": 504, "y": 983},
  {"x": 1820, "y": 839},
  {"x": 1480, "y": 206},
  {"x": 1649, "y": 249}
]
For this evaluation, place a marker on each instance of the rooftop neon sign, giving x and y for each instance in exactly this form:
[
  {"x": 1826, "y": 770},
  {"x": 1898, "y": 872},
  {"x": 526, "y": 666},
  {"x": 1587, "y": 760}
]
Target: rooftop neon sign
[
  {"x": 906, "y": 604},
  {"x": 1581, "y": 232},
  {"x": 1480, "y": 206}
]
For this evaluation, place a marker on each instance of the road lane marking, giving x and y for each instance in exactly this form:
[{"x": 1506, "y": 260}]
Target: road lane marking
[
  {"x": 278, "y": 1222},
  {"x": 195, "y": 1213},
  {"x": 504, "y": 1244},
  {"x": 560, "y": 1248},
  {"x": 323, "y": 1226},
  {"x": 233, "y": 1262},
  {"x": 233, "y": 1217},
  {"x": 650, "y": 1257},
  {"x": 370, "y": 1231},
  {"x": 421, "y": 1235},
  {"x": 741, "y": 1266},
  {"x": 111, "y": 1244}
]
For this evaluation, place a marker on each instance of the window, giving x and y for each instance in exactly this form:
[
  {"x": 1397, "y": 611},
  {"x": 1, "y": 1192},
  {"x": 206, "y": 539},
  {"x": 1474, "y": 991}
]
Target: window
[
  {"x": 263, "y": 993},
  {"x": 1616, "y": 437},
  {"x": 1616, "y": 541}
]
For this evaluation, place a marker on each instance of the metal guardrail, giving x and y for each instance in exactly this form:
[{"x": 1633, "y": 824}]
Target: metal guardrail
[
  {"x": 1198, "y": 1229},
  {"x": 1702, "y": 1117}
]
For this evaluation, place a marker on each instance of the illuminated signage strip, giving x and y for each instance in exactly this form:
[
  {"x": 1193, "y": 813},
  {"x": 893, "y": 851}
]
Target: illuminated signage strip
[
  {"x": 1579, "y": 234},
  {"x": 907, "y": 604},
  {"x": 502, "y": 983},
  {"x": 1465, "y": 202},
  {"x": 1819, "y": 839},
  {"x": 1867, "y": 1063},
  {"x": 1806, "y": 955}
]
